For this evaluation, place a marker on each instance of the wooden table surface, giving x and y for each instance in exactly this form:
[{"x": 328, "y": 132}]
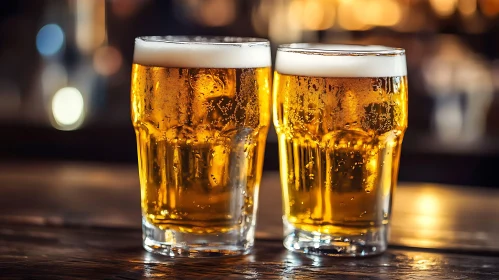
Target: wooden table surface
[{"x": 82, "y": 221}]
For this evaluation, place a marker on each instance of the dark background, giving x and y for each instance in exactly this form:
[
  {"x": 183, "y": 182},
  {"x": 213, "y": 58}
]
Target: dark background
[{"x": 85, "y": 47}]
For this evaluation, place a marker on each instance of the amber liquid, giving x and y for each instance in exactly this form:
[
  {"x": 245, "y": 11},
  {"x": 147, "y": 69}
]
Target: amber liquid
[
  {"x": 201, "y": 138},
  {"x": 339, "y": 148}
]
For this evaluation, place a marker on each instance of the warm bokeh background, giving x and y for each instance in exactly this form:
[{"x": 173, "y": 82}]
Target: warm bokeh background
[{"x": 65, "y": 72}]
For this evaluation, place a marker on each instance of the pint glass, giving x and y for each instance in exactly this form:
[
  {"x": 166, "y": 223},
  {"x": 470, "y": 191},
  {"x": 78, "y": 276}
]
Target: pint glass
[
  {"x": 340, "y": 113},
  {"x": 201, "y": 111}
]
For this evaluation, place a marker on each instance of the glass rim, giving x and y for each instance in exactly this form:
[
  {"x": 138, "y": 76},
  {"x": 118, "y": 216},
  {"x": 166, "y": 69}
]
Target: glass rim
[
  {"x": 341, "y": 49},
  {"x": 206, "y": 40}
]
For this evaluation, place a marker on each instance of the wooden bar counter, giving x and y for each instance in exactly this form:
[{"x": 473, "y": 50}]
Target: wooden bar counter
[{"x": 82, "y": 221}]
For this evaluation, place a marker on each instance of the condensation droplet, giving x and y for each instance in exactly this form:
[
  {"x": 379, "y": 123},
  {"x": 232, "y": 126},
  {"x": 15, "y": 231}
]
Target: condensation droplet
[{"x": 309, "y": 165}]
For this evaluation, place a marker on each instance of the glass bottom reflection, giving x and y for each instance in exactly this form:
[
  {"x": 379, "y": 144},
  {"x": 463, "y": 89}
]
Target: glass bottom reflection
[
  {"x": 174, "y": 244},
  {"x": 372, "y": 242}
]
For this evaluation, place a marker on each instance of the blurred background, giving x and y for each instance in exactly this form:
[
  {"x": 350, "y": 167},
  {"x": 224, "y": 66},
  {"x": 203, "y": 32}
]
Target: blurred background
[{"x": 65, "y": 72}]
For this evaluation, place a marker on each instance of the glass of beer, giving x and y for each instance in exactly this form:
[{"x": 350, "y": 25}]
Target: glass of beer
[
  {"x": 340, "y": 113},
  {"x": 201, "y": 111}
]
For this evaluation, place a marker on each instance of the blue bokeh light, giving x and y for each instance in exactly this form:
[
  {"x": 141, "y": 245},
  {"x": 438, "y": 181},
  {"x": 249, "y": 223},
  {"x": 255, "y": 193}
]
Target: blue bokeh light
[{"x": 49, "y": 39}]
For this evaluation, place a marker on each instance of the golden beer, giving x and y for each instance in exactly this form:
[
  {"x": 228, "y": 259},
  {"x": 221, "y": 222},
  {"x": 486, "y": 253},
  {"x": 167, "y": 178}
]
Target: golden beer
[
  {"x": 201, "y": 135},
  {"x": 339, "y": 145}
]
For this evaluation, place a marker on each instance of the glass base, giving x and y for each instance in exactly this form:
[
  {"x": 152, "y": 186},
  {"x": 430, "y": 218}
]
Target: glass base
[
  {"x": 373, "y": 242},
  {"x": 190, "y": 245}
]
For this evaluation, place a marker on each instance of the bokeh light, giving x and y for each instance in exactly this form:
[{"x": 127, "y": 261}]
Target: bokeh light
[
  {"x": 317, "y": 14},
  {"x": 444, "y": 8},
  {"x": 107, "y": 60},
  {"x": 283, "y": 26},
  {"x": 124, "y": 8},
  {"x": 49, "y": 39},
  {"x": 489, "y": 8},
  {"x": 467, "y": 7},
  {"x": 379, "y": 12},
  {"x": 217, "y": 12},
  {"x": 347, "y": 15},
  {"x": 68, "y": 108},
  {"x": 90, "y": 24}
]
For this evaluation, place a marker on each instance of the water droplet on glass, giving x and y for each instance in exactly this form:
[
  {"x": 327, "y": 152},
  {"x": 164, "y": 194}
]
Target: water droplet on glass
[{"x": 309, "y": 165}]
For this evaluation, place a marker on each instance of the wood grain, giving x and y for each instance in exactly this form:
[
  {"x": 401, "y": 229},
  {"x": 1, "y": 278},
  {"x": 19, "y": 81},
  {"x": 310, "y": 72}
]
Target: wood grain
[
  {"x": 82, "y": 221},
  {"x": 44, "y": 252}
]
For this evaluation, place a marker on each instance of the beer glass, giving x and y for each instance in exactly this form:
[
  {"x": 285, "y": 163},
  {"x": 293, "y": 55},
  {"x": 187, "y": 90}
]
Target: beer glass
[
  {"x": 201, "y": 111},
  {"x": 340, "y": 113}
]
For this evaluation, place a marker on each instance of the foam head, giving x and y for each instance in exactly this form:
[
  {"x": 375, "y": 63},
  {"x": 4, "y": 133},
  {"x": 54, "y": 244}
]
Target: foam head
[
  {"x": 202, "y": 52},
  {"x": 324, "y": 60}
]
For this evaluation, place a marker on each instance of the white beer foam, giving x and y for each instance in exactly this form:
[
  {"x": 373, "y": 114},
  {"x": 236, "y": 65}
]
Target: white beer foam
[
  {"x": 322, "y": 60},
  {"x": 185, "y": 54}
]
